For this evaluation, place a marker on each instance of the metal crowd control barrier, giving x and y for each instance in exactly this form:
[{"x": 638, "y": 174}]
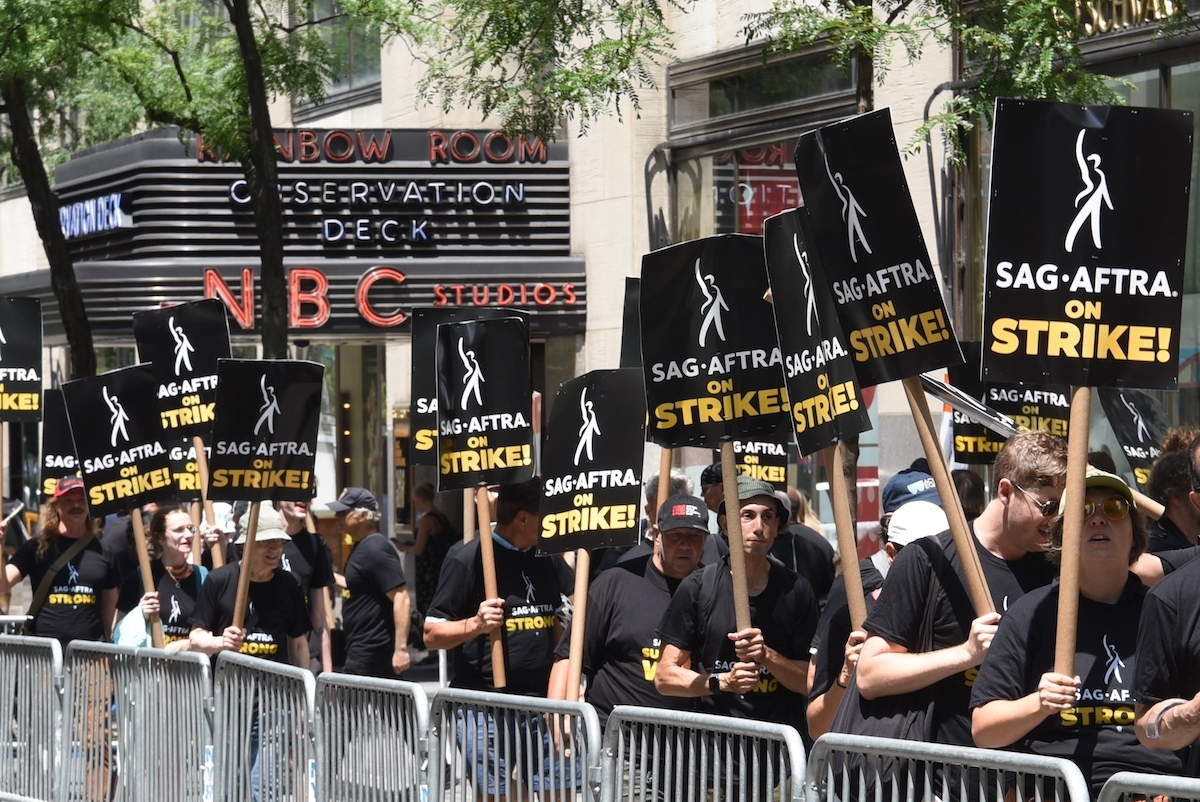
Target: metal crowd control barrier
[
  {"x": 166, "y": 735},
  {"x": 264, "y": 731},
  {"x": 99, "y": 681},
  {"x": 485, "y": 745},
  {"x": 11, "y": 624},
  {"x": 371, "y": 739},
  {"x": 652, "y": 754},
  {"x": 1125, "y": 785},
  {"x": 30, "y": 687},
  {"x": 854, "y": 767}
]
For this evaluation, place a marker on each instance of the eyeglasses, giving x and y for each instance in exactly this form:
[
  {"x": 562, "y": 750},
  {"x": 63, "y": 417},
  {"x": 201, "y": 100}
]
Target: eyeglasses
[
  {"x": 1048, "y": 508},
  {"x": 1115, "y": 508}
]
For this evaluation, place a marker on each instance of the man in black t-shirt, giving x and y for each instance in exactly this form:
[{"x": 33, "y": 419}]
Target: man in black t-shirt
[
  {"x": 306, "y": 556},
  {"x": 760, "y": 672},
  {"x": 1010, "y": 538},
  {"x": 620, "y": 649},
  {"x": 1171, "y": 485},
  {"x": 375, "y": 603}
]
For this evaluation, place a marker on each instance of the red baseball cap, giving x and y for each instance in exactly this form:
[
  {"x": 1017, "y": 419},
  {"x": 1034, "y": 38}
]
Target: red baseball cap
[{"x": 66, "y": 485}]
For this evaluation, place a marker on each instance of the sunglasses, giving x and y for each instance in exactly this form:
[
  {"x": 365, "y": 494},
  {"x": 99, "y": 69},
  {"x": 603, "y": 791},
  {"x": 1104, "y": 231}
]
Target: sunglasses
[
  {"x": 1048, "y": 508},
  {"x": 1114, "y": 508}
]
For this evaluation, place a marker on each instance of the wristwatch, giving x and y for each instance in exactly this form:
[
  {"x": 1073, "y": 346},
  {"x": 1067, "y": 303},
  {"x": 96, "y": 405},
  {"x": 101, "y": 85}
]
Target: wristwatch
[
  {"x": 1152, "y": 726},
  {"x": 714, "y": 684}
]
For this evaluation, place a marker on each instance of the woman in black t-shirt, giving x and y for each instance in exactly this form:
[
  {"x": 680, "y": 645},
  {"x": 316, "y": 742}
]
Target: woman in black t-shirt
[
  {"x": 1019, "y": 699},
  {"x": 176, "y": 581},
  {"x": 430, "y": 545}
]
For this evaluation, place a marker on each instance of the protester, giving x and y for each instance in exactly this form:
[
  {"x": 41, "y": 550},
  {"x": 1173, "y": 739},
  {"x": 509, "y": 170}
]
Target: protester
[
  {"x": 525, "y": 611},
  {"x": 277, "y": 622},
  {"x": 74, "y": 583},
  {"x": 434, "y": 537},
  {"x": 803, "y": 549},
  {"x": 712, "y": 488},
  {"x": 375, "y": 603},
  {"x": 970, "y": 492},
  {"x": 620, "y": 648},
  {"x": 176, "y": 582},
  {"x": 680, "y": 485},
  {"x": 802, "y": 511},
  {"x": 760, "y": 672},
  {"x": 836, "y": 645},
  {"x": 117, "y": 541},
  {"x": 306, "y": 557},
  {"x": 1152, "y": 567},
  {"x": 1020, "y": 701},
  {"x": 1010, "y": 536},
  {"x": 1171, "y": 485}
]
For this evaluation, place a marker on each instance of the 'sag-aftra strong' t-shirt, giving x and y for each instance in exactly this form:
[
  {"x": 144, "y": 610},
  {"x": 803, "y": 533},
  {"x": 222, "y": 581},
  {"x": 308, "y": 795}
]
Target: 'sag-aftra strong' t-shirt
[
  {"x": 1097, "y": 734},
  {"x": 900, "y": 610},
  {"x": 276, "y": 611},
  {"x": 72, "y": 609},
  {"x": 176, "y": 600}
]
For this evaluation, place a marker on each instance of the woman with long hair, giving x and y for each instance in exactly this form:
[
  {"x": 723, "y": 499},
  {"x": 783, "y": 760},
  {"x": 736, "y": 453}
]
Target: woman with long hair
[{"x": 429, "y": 547}]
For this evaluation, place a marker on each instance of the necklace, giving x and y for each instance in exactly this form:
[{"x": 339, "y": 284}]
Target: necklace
[{"x": 179, "y": 574}]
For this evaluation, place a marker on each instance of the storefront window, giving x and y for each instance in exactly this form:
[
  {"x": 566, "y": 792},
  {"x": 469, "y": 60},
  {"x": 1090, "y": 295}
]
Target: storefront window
[
  {"x": 354, "y": 44},
  {"x": 734, "y": 191}
]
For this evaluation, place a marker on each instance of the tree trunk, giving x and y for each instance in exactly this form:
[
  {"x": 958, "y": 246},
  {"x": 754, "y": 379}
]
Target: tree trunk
[
  {"x": 27, "y": 157},
  {"x": 262, "y": 178}
]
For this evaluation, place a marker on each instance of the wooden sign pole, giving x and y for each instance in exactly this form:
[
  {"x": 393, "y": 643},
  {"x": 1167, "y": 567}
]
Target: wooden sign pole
[
  {"x": 664, "y": 483},
  {"x": 468, "y": 516},
  {"x": 197, "y": 538},
  {"x": 210, "y": 515},
  {"x": 964, "y": 542},
  {"x": 143, "y": 555},
  {"x": 243, "y": 586},
  {"x": 733, "y": 528},
  {"x": 583, "y": 569},
  {"x": 490, "y": 591},
  {"x": 1068, "y": 571},
  {"x": 847, "y": 538}
]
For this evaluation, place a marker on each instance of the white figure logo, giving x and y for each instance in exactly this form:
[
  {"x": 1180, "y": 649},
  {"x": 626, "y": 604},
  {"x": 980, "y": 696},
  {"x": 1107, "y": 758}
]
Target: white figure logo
[
  {"x": 183, "y": 346},
  {"x": 285, "y": 564},
  {"x": 1115, "y": 663},
  {"x": 118, "y": 418},
  {"x": 72, "y": 575},
  {"x": 589, "y": 427},
  {"x": 2, "y": 340},
  {"x": 175, "y": 611},
  {"x": 269, "y": 408},
  {"x": 473, "y": 377},
  {"x": 530, "y": 593},
  {"x": 1096, "y": 193},
  {"x": 812, "y": 319},
  {"x": 714, "y": 302},
  {"x": 1143, "y": 434},
  {"x": 851, "y": 211}
]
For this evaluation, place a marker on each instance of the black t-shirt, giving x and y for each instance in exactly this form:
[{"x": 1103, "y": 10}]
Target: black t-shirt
[
  {"x": 621, "y": 650},
  {"x": 72, "y": 609},
  {"x": 1098, "y": 734},
  {"x": 176, "y": 601},
  {"x": 532, "y": 588},
  {"x": 372, "y": 570},
  {"x": 786, "y": 612},
  {"x": 829, "y": 644},
  {"x": 900, "y": 610},
  {"x": 809, "y": 554},
  {"x": 1175, "y": 559},
  {"x": 306, "y": 557},
  {"x": 1168, "y": 643},
  {"x": 277, "y": 611},
  {"x": 1166, "y": 536},
  {"x": 115, "y": 542}
]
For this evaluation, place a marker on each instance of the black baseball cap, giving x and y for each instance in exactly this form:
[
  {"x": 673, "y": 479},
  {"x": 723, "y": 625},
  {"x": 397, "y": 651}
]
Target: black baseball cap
[
  {"x": 683, "y": 512},
  {"x": 354, "y": 498},
  {"x": 712, "y": 475}
]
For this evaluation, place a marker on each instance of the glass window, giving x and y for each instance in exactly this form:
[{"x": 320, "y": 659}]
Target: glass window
[
  {"x": 764, "y": 87},
  {"x": 734, "y": 191},
  {"x": 354, "y": 44}
]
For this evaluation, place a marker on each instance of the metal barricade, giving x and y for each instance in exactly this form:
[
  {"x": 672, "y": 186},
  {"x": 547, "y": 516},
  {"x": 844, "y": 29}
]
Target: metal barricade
[
  {"x": 1125, "y": 785},
  {"x": 264, "y": 731},
  {"x": 653, "y": 755},
  {"x": 371, "y": 739},
  {"x": 100, "y": 685},
  {"x": 168, "y": 741},
  {"x": 855, "y": 767},
  {"x": 31, "y": 675},
  {"x": 11, "y": 624},
  {"x": 484, "y": 745}
]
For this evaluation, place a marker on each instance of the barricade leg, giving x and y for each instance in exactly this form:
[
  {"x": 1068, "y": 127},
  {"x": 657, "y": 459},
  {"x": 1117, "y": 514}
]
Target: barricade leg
[{"x": 30, "y": 685}]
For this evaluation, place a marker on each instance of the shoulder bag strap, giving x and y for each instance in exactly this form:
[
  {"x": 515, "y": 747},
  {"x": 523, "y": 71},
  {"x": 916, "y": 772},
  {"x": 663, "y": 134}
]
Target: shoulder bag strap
[{"x": 43, "y": 589}]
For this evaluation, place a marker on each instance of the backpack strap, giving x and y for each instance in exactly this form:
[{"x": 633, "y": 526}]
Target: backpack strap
[{"x": 43, "y": 589}]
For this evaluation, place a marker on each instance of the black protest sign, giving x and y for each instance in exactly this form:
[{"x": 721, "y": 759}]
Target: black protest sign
[
  {"x": 484, "y": 403},
  {"x": 423, "y": 417},
  {"x": 631, "y": 325},
  {"x": 58, "y": 449},
  {"x": 710, "y": 355},
  {"x": 265, "y": 432},
  {"x": 1140, "y": 424},
  {"x": 183, "y": 343},
  {"x": 592, "y": 463},
  {"x": 974, "y": 443},
  {"x": 1087, "y": 227},
  {"x": 114, "y": 423},
  {"x": 20, "y": 359},
  {"x": 826, "y": 400},
  {"x": 1041, "y": 408},
  {"x": 185, "y": 470},
  {"x": 760, "y": 459},
  {"x": 862, "y": 223}
]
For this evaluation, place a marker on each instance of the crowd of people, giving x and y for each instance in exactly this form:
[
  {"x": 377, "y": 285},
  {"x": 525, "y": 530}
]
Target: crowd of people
[{"x": 661, "y": 629}]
